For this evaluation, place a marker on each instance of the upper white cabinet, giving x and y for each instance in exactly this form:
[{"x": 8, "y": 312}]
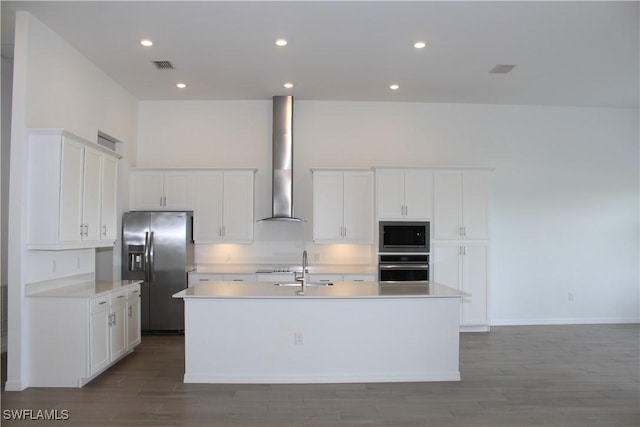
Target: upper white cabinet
[
  {"x": 461, "y": 204},
  {"x": 404, "y": 193},
  {"x": 342, "y": 206},
  {"x": 223, "y": 206},
  {"x": 72, "y": 192},
  {"x": 161, "y": 190}
]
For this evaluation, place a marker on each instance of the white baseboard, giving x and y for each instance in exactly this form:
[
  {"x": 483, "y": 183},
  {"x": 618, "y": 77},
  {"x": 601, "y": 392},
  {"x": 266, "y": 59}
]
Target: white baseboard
[
  {"x": 579, "y": 321},
  {"x": 315, "y": 379}
]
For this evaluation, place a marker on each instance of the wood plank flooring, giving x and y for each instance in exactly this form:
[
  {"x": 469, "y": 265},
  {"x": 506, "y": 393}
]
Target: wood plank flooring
[{"x": 578, "y": 375}]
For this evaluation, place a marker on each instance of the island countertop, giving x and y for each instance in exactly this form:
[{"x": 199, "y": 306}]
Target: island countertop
[{"x": 339, "y": 289}]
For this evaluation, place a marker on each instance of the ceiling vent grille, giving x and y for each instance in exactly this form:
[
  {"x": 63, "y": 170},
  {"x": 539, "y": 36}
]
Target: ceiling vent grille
[
  {"x": 501, "y": 69},
  {"x": 163, "y": 65}
]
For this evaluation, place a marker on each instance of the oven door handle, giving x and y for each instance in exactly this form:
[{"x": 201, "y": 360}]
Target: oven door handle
[{"x": 403, "y": 267}]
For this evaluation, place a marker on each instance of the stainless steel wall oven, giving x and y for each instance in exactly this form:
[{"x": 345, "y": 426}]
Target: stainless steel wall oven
[{"x": 403, "y": 268}]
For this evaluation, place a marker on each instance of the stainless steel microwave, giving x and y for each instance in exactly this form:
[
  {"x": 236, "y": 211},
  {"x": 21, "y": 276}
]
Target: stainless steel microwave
[{"x": 404, "y": 236}]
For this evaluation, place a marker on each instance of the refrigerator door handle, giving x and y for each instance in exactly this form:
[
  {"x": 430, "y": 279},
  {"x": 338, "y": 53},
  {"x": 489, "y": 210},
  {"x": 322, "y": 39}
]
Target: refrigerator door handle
[
  {"x": 146, "y": 257},
  {"x": 151, "y": 260}
]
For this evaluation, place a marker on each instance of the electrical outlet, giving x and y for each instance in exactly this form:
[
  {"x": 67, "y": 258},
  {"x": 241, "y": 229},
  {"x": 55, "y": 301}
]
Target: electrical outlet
[
  {"x": 570, "y": 296},
  {"x": 297, "y": 338}
]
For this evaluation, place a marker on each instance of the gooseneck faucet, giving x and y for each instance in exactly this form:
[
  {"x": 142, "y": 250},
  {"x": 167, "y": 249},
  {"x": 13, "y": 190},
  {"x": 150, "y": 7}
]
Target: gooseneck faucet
[{"x": 303, "y": 277}]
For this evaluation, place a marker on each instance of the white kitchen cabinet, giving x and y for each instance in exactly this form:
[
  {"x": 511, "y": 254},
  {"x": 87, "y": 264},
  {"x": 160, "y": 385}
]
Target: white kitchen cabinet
[
  {"x": 359, "y": 278},
  {"x": 109, "y": 206},
  {"x": 75, "y": 338},
  {"x": 195, "y": 278},
  {"x": 224, "y": 205},
  {"x": 99, "y": 334},
  {"x": 461, "y": 204},
  {"x": 342, "y": 206},
  {"x": 118, "y": 310},
  {"x": 161, "y": 189},
  {"x": 463, "y": 265},
  {"x": 72, "y": 192},
  {"x": 134, "y": 326},
  {"x": 404, "y": 194}
]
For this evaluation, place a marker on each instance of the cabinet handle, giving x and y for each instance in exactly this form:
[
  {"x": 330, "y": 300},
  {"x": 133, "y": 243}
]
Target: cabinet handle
[
  {"x": 81, "y": 230},
  {"x": 464, "y": 231},
  {"x": 160, "y": 200},
  {"x": 463, "y": 250},
  {"x": 104, "y": 230},
  {"x": 114, "y": 319},
  {"x": 120, "y": 296},
  {"x": 203, "y": 280},
  {"x": 165, "y": 200},
  {"x": 103, "y": 302},
  {"x": 130, "y": 311}
]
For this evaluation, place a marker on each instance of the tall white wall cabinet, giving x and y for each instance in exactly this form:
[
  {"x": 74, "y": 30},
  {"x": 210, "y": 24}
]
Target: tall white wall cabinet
[
  {"x": 456, "y": 202},
  {"x": 72, "y": 201},
  {"x": 342, "y": 206}
]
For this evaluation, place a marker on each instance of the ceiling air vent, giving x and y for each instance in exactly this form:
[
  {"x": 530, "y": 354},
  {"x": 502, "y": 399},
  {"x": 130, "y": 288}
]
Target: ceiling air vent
[
  {"x": 163, "y": 65},
  {"x": 501, "y": 69}
]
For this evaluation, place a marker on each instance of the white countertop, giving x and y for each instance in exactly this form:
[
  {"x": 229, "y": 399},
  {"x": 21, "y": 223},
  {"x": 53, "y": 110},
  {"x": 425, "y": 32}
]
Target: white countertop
[
  {"x": 346, "y": 289},
  {"x": 81, "y": 286}
]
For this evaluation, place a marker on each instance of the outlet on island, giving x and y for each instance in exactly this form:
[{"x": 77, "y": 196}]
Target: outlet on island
[{"x": 297, "y": 338}]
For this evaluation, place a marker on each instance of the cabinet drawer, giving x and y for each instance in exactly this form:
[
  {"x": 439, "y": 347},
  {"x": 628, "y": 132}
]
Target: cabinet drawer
[
  {"x": 360, "y": 277},
  {"x": 133, "y": 293},
  {"x": 99, "y": 304},
  {"x": 118, "y": 296}
]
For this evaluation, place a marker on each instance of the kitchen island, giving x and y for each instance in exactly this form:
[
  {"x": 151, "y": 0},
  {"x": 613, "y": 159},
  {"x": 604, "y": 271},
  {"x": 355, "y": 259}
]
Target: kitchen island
[{"x": 257, "y": 332}]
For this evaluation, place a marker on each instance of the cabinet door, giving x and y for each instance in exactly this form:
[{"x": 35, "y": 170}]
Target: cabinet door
[
  {"x": 475, "y": 260},
  {"x": 133, "y": 318},
  {"x": 447, "y": 265},
  {"x": 475, "y": 205},
  {"x": 147, "y": 190},
  {"x": 109, "y": 209},
  {"x": 418, "y": 194},
  {"x": 91, "y": 194},
  {"x": 99, "y": 338},
  {"x": 328, "y": 207},
  {"x": 118, "y": 331},
  {"x": 447, "y": 216},
  {"x": 207, "y": 216},
  {"x": 177, "y": 190},
  {"x": 71, "y": 190},
  {"x": 390, "y": 193},
  {"x": 358, "y": 207},
  {"x": 238, "y": 206}
]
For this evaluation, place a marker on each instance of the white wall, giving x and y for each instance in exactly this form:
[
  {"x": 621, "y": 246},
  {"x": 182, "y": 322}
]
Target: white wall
[
  {"x": 54, "y": 86},
  {"x": 564, "y": 192}
]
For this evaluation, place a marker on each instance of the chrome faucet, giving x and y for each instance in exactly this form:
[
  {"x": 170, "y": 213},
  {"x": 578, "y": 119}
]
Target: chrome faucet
[{"x": 303, "y": 277}]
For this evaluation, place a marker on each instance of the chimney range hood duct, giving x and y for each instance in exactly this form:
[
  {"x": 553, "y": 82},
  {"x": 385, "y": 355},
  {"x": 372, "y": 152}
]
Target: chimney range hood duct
[{"x": 282, "y": 161}]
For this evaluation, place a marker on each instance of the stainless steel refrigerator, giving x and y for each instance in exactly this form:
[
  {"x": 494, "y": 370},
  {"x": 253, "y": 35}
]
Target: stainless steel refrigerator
[{"x": 157, "y": 247}]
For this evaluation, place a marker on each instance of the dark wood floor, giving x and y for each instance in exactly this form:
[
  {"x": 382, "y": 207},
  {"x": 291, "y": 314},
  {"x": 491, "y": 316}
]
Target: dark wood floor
[{"x": 582, "y": 375}]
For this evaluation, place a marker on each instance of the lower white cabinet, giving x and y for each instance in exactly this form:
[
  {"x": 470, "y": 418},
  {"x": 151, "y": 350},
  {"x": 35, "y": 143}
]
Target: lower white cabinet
[
  {"x": 134, "y": 326},
  {"x": 74, "y": 339},
  {"x": 195, "y": 278},
  {"x": 463, "y": 265}
]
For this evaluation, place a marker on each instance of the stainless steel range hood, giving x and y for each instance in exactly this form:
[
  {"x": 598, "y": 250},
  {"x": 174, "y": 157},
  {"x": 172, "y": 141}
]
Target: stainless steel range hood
[{"x": 282, "y": 161}]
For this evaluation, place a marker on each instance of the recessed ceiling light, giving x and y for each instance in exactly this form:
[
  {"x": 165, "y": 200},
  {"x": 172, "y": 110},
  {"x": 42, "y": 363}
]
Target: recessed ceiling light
[
  {"x": 146, "y": 42},
  {"x": 394, "y": 87},
  {"x": 281, "y": 42},
  {"x": 288, "y": 85},
  {"x": 419, "y": 45},
  {"x": 181, "y": 85}
]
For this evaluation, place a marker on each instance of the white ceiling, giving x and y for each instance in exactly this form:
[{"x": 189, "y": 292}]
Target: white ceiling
[{"x": 566, "y": 53}]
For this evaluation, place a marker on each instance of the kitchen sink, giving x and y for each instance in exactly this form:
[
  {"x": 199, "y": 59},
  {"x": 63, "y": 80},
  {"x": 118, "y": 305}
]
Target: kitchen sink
[{"x": 298, "y": 284}]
